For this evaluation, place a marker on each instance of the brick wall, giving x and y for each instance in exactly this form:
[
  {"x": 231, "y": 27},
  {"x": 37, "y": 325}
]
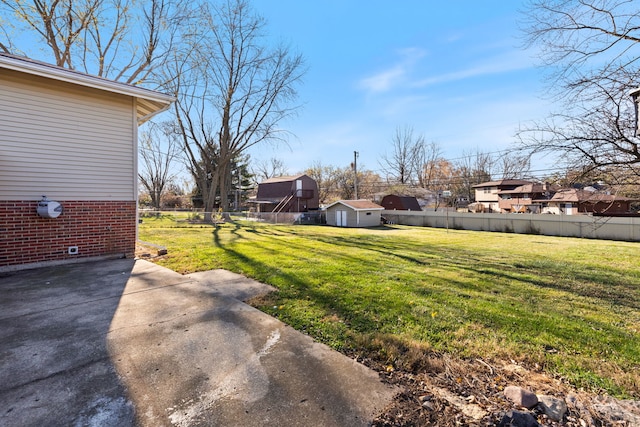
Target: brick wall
[{"x": 97, "y": 228}]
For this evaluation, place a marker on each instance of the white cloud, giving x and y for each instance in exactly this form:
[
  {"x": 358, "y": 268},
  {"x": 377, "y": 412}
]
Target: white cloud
[
  {"x": 395, "y": 75},
  {"x": 510, "y": 61},
  {"x": 385, "y": 80}
]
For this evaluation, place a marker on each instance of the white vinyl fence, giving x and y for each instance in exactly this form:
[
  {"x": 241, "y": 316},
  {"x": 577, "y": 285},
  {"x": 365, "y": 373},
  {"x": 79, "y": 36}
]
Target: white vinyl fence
[{"x": 592, "y": 227}]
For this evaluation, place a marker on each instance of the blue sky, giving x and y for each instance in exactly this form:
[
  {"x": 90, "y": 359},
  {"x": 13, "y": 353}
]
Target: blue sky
[{"x": 453, "y": 71}]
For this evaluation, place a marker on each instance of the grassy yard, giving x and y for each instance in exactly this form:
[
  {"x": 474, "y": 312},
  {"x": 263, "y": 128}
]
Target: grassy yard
[{"x": 572, "y": 306}]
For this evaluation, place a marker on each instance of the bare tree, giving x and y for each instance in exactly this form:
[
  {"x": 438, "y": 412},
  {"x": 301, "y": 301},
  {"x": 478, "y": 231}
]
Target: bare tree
[
  {"x": 265, "y": 169},
  {"x": 335, "y": 183},
  {"x": 324, "y": 177},
  {"x": 471, "y": 169},
  {"x": 158, "y": 151},
  {"x": 589, "y": 136},
  {"x": 426, "y": 162},
  {"x": 513, "y": 165},
  {"x": 592, "y": 47},
  {"x": 344, "y": 183},
  {"x": 368, "y": 183},
  {"x": 441, "y": 173},
  {"x": 232, "y": 90},
  {"x": 404, "y": 162},
  {"x": 122, "y": 40}
]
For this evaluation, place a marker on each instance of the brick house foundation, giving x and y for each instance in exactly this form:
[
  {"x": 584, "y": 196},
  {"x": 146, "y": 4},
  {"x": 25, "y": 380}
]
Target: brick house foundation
[{"x": 94, "y": 229}]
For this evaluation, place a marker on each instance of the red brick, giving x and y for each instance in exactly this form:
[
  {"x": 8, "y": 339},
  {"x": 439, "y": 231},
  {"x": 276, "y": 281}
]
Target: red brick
[{"x": 29, "y": 238}]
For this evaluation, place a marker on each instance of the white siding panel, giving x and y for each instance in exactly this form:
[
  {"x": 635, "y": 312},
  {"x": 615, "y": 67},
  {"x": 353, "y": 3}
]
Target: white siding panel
[{"x": 64, "y": 141}]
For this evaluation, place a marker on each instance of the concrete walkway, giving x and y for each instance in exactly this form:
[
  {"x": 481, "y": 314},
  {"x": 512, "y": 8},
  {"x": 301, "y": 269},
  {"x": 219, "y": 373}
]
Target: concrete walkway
[{"x": 124, "y": 343}]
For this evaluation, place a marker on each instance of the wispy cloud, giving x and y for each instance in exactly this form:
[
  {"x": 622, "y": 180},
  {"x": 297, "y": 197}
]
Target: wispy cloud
[
  {"x": 495, "y": 65},
  {"x": 385, "y": 80},
  {"x": 403, "y": 73},
  {"x": 395, "y": 75}
]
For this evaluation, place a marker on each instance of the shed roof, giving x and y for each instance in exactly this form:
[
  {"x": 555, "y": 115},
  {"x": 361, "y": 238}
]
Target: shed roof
[
  {"x": 358, "y": 205},
  {"x": 149, "y": 102}
]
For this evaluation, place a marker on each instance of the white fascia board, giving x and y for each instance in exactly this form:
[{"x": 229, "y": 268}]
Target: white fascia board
[{"x": 42, "y": 69}]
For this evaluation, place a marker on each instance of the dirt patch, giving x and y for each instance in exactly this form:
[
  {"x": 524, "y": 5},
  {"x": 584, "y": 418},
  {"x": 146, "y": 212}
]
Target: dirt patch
[
  {"x": 150, "y": 251},
  {"x": 454, "y": 392}
]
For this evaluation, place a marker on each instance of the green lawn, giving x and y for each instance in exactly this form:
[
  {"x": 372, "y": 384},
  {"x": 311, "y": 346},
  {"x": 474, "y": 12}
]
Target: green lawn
[{"x": 570, "y": 305}]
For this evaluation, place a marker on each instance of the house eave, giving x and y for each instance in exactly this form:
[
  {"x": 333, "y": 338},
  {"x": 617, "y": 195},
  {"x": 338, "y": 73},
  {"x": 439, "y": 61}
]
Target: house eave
[{"x": 149, "y": 102}]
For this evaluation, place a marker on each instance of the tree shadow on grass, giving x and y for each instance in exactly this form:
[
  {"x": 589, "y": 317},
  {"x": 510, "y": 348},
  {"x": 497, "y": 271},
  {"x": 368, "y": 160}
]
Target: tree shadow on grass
[
  {"x": 612, "y": 287},
  {"x": 232, "y": 230},
  {"x": 479, "y": 276}
]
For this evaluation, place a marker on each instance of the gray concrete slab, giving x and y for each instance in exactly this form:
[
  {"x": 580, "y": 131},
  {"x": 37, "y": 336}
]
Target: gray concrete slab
[
  {"x": 131, "y": 343},
  {"x": 229, "y": 284}
]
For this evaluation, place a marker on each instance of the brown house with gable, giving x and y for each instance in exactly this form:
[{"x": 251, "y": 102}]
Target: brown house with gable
[
  {"x": 297, "y": 193},
  {"x": 527, "y": 198}
]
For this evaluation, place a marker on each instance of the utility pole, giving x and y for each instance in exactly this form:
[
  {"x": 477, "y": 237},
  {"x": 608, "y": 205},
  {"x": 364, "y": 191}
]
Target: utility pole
[{"x": 355, "y": 174}]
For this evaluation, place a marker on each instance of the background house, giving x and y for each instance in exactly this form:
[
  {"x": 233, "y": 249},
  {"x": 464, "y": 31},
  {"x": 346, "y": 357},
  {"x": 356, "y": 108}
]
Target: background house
[
  {"x": 527, "y": 198},
  {"x": 354, "y": 213},
  {"x": 402, "y": 203},
  {"x": 572, "y": 201},
  {"x": 486, "y": 193},
  {"x": 297, "y": 193},
  {"x": 73, "y": 138}
]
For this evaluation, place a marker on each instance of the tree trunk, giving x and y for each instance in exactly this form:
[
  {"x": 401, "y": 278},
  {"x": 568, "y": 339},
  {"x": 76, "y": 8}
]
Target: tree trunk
[{"x": 209, "y": 197}]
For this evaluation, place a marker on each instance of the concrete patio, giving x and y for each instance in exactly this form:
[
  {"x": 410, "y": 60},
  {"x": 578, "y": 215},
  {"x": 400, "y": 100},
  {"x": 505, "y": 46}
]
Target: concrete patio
[{"x": 130, "y": 343}]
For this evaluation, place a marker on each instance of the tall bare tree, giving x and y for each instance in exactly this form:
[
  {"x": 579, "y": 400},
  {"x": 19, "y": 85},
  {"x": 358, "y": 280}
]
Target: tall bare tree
[
  {"x": 592, "y": 48},
  {"x": 232, "y": 92},
  {"x": 404, "y": 162},
  {"x": 123, "y": 40},
  {"x": 159, "y": 149}
]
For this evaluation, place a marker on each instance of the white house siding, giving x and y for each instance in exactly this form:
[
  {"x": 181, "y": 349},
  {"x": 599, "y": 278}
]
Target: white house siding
[{"x": 65, "y": 141}]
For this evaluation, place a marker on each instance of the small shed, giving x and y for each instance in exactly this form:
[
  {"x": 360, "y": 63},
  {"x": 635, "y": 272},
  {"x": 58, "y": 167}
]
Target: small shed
[
  {"x": 354, "y": 213},
  {"x": 394, "y": 202}
]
